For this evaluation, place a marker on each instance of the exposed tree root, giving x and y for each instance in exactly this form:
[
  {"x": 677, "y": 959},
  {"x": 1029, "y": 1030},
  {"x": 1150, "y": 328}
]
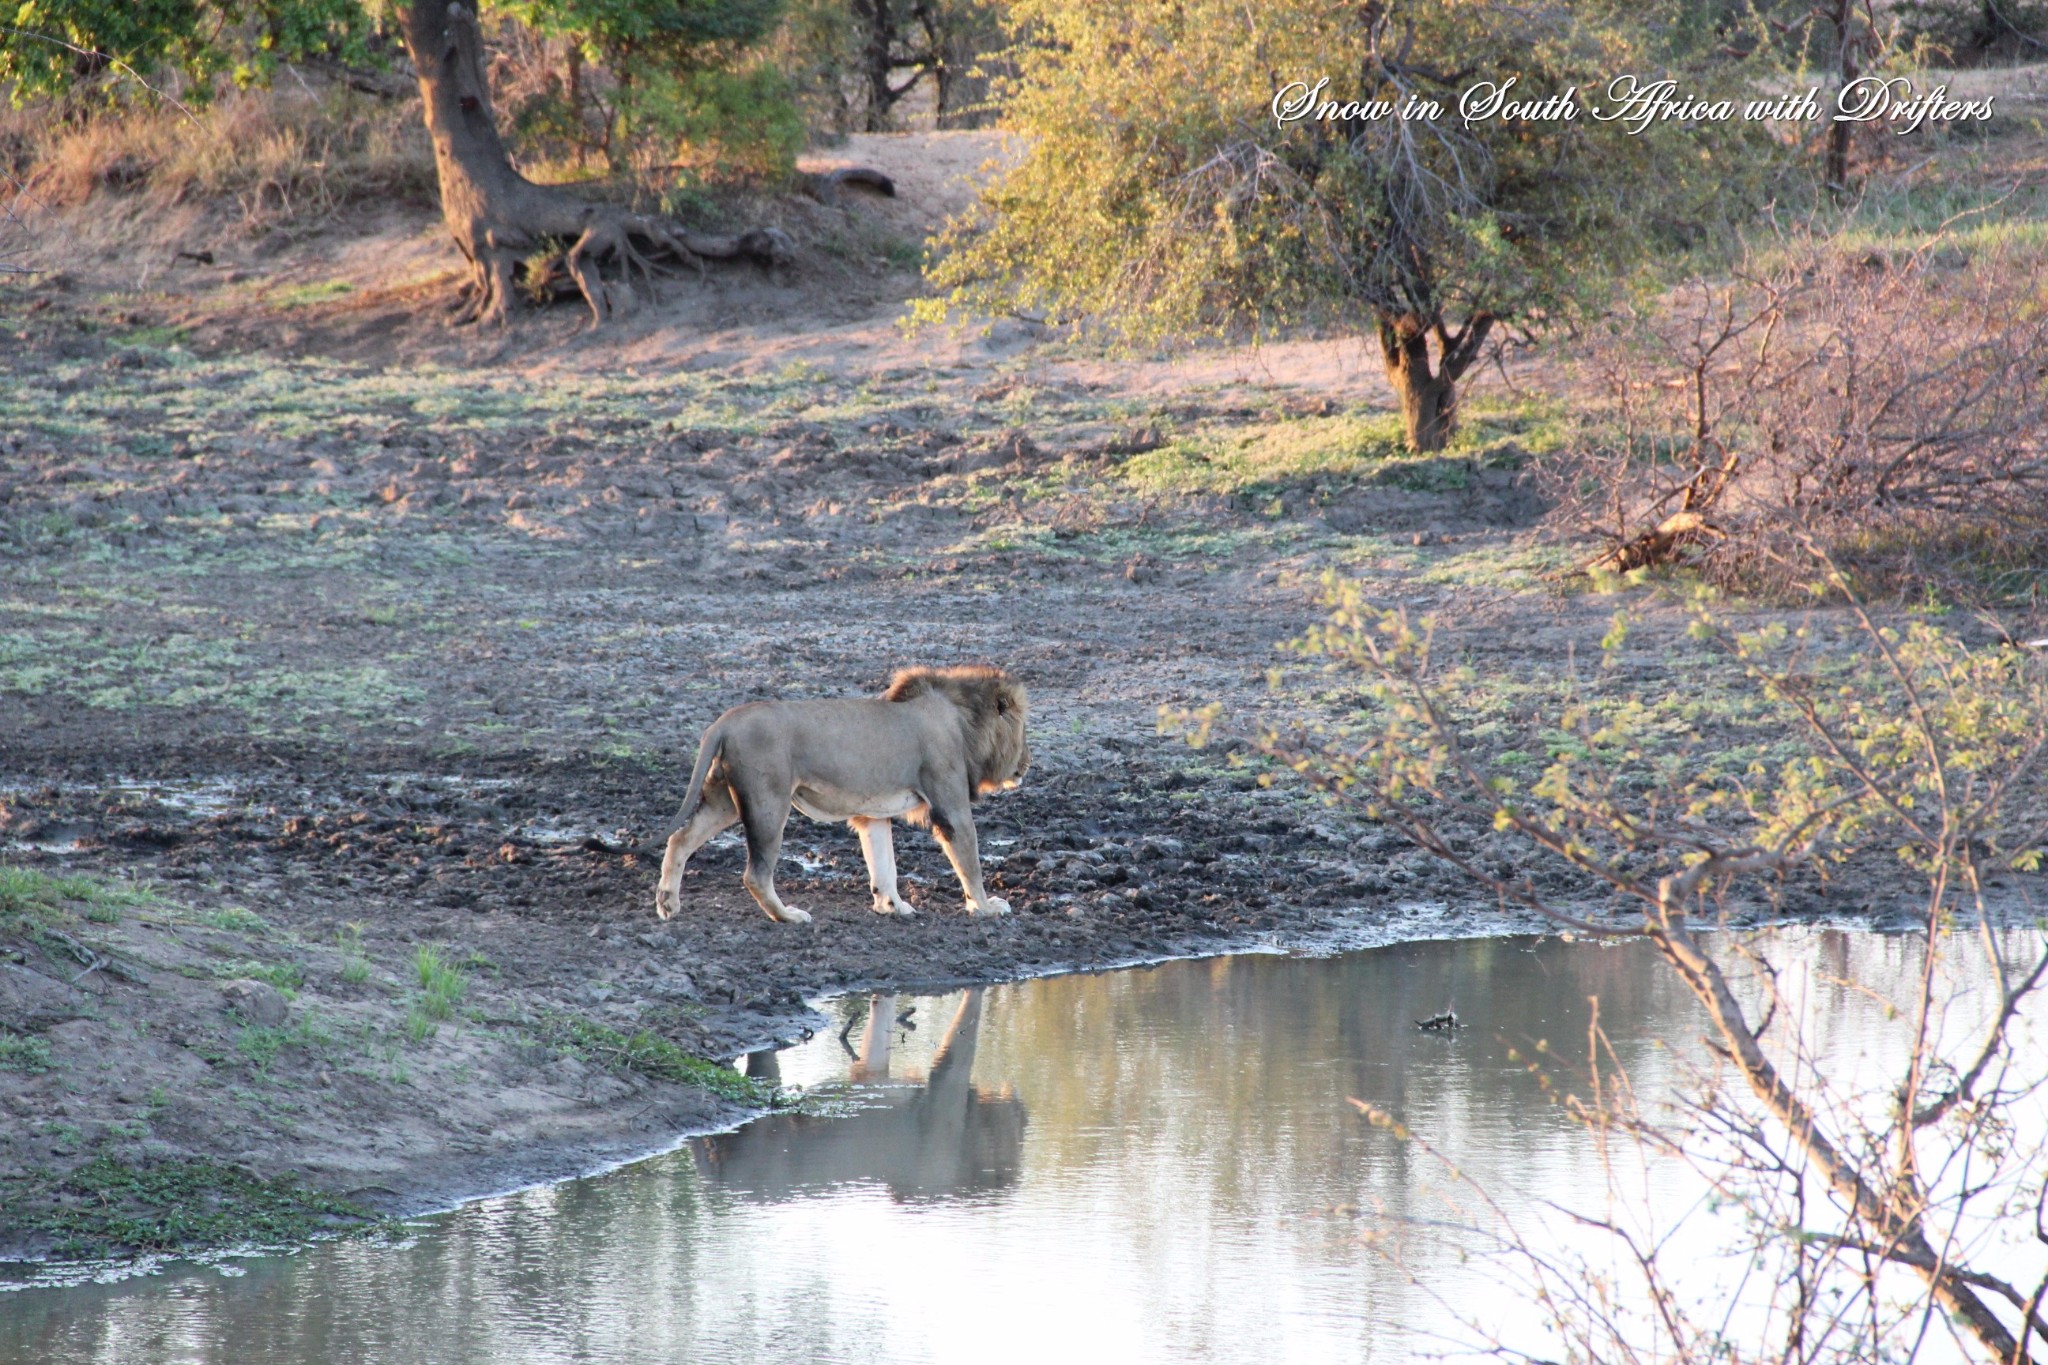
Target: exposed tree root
[
  {"x": 515, "y": 231},
  {"x": 562, "y": 242}
]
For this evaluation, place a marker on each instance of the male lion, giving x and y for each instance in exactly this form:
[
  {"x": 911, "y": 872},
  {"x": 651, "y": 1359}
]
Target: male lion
[{"x": 933, "y": 742}]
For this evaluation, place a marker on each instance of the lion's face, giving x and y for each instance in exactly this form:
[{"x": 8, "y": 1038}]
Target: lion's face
[
  {"x": 1013, "y": 760},
  {"x": 994, "y": 705},
  {"x": 1006, "y": 756}
]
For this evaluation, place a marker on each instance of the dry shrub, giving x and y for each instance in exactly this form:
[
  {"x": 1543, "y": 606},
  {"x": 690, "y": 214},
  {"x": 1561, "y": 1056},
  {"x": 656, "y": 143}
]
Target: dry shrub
[
  {"x": 1886, "y": 407},
  {"x": 282, "y": 155}
]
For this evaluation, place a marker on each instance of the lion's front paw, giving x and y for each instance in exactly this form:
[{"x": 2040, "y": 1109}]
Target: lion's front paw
[
  {"x": 791, "y": 915},
  {"x": 994, "y": 905},
  {"x": 666, "y": 903},
  {"x": 885, "y": 906}
]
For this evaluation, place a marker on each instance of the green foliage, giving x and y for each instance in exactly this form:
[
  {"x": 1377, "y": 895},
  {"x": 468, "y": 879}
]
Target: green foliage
[
  {"x": 650, "y": 1054},
  {"x": 1915, "y": 745},
  {"x": 110, "y": 1207},
  {"x": 441, "y": 983},
  {"x": 715, "y": 122},
  {"x": 682, "y": 81},
  {"x": 1158, "y": 193},
  {"x": 1914, "y": 749},
  {"x": 355, "y": 966},
  {"x": 261, "y": 1045},
  {"x": 236, "y": 919},
  {"x": 1368, "y": 447},
  {"x": 56, "y": 45},
  {"x": 31, "y": 900},
  {"x": 686, "y": 87},
  {"x": 1965, "y": 30},
  {"x": 678, "y": 34}
]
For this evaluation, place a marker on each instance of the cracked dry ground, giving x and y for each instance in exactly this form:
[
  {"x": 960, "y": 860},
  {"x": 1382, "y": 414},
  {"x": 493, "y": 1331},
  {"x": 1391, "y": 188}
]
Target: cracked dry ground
[{"x": 342, "y": 662}]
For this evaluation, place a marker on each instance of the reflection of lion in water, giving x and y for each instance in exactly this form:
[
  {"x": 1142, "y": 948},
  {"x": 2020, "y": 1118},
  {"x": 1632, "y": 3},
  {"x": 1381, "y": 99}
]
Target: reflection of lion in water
[
  {"x": 923, "y": 751},
  {"x": 937, "y": 1140}
]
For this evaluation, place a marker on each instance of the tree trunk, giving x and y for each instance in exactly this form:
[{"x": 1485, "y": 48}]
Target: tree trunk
[
  {"x": 1429, "y": 394},
  {"x": 500, "y": 218},
  {"x": 877, "y": 24},
  {"x": 1842, "y": 14},
  {"x": 575, "y": 96}
]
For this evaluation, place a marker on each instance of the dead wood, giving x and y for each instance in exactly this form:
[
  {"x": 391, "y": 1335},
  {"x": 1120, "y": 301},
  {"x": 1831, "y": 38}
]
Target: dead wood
[{"x": 829, "y": 187}]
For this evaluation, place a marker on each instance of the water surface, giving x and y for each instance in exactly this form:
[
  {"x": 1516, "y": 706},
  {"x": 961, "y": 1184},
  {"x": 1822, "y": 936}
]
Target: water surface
[{"x": 1149, "y": 1165}]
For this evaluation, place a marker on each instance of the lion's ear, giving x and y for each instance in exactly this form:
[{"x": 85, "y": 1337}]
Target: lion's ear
[{"x": 1002, "y": 705}]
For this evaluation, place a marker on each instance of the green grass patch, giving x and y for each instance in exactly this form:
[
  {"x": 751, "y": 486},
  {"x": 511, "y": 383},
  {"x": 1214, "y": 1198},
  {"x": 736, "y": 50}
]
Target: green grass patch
[
  {"x": 650, "y": 1054},
  {"x": 110, "y": 1207},
  {"x": 236, "y": 920},
  {"x": 285, "y": 977},
  {"x": 1283, "y": 453},
  {"x": 152, "y": 338},
  {"x": 24, "y": 1052},
  {"x": 420, "y": 1025},
  {"x": 305, "y": 295},
  {"x": 355, "y": 966},
  {"x": 1271, "y": 456},
  {"x": 261, "y": 1045},
  {"x": 30, "y": 899},
  {"x": 441, "y": 982}
]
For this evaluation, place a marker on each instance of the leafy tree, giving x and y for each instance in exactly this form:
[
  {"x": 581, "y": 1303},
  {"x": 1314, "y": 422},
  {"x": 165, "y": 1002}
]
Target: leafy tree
[
  {"x": 50, "y": 47},
  {"x": 681, "y": 72},
  {"x": 501, "y": 220},
  {"x": 1160, "y": 194}
]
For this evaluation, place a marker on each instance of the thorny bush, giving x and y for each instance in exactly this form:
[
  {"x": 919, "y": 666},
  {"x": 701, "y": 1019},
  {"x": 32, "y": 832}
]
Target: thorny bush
[
  {"x": 1869, "y": 1217},
  {"x": 1886, "y": 404}
]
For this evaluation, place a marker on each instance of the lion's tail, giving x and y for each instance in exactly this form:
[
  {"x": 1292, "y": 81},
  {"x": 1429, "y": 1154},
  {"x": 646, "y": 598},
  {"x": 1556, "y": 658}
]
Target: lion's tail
[{"x": 707, "y": 753}]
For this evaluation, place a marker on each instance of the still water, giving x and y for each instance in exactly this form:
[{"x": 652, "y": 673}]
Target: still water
[{"x": 1149, "y": 1165}]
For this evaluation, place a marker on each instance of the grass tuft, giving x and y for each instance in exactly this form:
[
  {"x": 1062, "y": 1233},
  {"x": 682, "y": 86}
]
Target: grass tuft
[
  {"x": 650, "y": 1054},
  {"x": 24, "y": 1052},
  {"x": 236, "y": 920},
  {"x": 31, "y": 900},
  {"x": 441, "y": 983}
]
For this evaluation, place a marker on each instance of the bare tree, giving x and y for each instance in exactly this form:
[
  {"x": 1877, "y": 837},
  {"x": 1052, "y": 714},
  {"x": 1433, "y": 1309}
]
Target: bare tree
[{"x": 898, "y": 46}]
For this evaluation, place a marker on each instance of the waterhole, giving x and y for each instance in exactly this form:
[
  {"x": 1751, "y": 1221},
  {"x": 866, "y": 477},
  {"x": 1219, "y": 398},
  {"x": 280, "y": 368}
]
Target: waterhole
[{"x": 1158, "y": 1164}]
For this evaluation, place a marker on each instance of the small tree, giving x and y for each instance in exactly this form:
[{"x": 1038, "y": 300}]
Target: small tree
[
  {"x": 1161, "y": 192},
  {"x": 1922, "y": 749}
]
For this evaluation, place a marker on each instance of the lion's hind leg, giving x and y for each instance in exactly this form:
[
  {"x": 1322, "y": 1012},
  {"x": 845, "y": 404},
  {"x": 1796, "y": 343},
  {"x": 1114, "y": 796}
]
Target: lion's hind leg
[
  {"x": 715, "y": 814},
  {"x": 878, "y": 846},
  {"x": 763, "y": 817}
]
